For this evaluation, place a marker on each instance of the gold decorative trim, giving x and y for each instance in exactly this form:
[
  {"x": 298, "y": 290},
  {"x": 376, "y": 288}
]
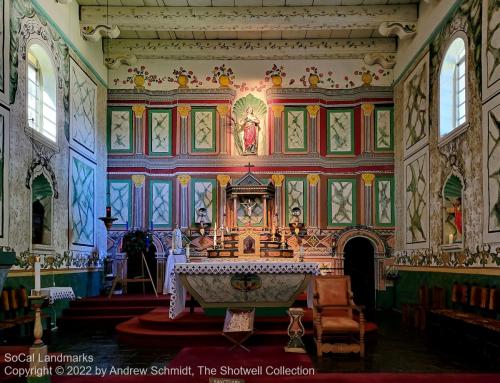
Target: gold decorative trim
[
  {"x": 184, "y": 110},
  {"x": 278, "y": 179},
  {"x": 184, "y": 179},
  {"x": 138, "y": 110},
  {"x": 138, "y": 180},
  {"x": 277, "y": 110},
  {"x": 312, "y": 110},
  {"x": 223, "y": 180},
  {"x": 368, "y": 178},
  {"x": 313, "y": 179},
  {"x": 223, "y": 109},
  {"x": 368, "y": 109}
]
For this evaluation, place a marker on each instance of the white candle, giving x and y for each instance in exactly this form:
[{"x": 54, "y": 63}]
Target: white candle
[
  {"x": 170, "y": 252},
  {"x": 37, "y": 276},
  {"x": 215, "y": 234},
  {"x": 187, "y": 251},
  {"x": 450, "y": 239}
]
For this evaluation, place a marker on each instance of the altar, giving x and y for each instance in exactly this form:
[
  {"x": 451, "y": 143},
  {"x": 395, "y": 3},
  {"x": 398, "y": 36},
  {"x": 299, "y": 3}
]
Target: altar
[{"x": 241, "y": 284}]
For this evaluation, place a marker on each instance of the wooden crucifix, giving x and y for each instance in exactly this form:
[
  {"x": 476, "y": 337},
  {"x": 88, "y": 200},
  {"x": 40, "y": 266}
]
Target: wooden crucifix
[{"x": 249, "y": 166}]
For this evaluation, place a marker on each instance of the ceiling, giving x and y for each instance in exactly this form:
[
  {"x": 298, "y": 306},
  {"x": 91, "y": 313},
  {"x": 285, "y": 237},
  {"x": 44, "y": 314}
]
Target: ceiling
[{"x": 345, "y": 26}]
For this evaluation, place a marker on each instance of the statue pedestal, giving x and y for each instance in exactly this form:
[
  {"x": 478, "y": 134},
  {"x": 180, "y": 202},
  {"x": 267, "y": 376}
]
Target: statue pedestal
[{"x": 295, "y": 331}]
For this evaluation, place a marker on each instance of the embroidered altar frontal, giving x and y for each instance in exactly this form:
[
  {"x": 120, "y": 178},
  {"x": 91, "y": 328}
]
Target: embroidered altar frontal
[{"x": 242, "y": 284}]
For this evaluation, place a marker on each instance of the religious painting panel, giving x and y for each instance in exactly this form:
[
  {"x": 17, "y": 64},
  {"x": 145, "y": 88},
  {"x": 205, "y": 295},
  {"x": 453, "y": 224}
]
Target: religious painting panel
[
  {"x": 491, "y": 48},
  {"x": 491, "y": 173},
  {"x": 83, "y": 102},
  {"x": 295, "y": 129},
  {"x": 120, "y": 201},
  {"x": 340, "y": 131},
  {"x": 296, "y": 200},
  {"x": 120, "y": 130},
  {"x": 453, "y": 210},
  {"x": 82, "y": 201},
  {"x": 250, "y": 116},
  {"x": 416, "y": 107},
  {"x": 384, "y": 201},
  {"x": 203, "y": 130},
  {"x": 4, "y": 50},
  {"x": 250, "y": 212},
  {"x": 417, "y": 199},
  {"x": 160, "y": 203},
  {"x": 160, "y": 132},
  {"x": 384, "y": 129},
  {"x": 204, "y": 200},
  {"x": 341, "y": 202}
]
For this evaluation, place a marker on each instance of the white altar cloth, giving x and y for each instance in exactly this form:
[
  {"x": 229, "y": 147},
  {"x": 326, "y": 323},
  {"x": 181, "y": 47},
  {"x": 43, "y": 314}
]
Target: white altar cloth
[
  {"x": 172, "y": 260},
  {"x": 56, "y": 293},
  {"x": 178, "y": 297}
]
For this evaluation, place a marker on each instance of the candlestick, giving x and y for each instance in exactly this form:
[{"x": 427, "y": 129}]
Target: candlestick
[
  {"x": 215, "y": 235},
  {"x": 108, "y": 212},
  {"x": 37, "y": 275}
]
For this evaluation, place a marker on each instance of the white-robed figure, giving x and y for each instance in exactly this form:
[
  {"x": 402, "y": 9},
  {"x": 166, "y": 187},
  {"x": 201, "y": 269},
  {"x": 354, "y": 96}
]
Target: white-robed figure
[{"x": 177, "y": 240}]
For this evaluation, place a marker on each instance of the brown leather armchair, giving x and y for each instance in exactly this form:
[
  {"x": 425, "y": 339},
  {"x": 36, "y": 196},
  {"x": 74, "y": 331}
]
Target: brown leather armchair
[{"x": 333, "y": 317}]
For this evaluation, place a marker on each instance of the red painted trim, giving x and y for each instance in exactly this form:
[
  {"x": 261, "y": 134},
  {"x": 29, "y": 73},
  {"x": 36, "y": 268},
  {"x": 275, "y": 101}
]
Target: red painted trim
[
  {"x": 358, "y": 132},
  {"x": 311, "y": 101},
  {"x": 174, "y": 132},
  {"x": 170, "y": 103},
  {"x": 265, "y": 169},
  {"x": 322, "y": 132}
]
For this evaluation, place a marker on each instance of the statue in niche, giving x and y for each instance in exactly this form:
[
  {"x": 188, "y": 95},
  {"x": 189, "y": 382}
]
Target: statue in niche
[
  {"x": 248, "y": 125},
  {"x": 452, "y": 214}
]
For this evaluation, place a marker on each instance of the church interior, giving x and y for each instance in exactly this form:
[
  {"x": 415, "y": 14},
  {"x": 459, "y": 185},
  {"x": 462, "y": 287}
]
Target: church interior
[{"x": 250, "y": 191}]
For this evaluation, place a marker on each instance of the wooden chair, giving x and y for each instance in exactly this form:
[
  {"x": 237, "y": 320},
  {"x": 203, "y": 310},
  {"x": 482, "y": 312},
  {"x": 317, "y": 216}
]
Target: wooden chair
[{"x": 333, "y": 316}]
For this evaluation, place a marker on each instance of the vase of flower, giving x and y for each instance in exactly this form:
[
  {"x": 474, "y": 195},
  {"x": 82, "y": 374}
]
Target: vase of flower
[
  {"x": 224, "y": 81},
  {"x": 367, "y": 78},
  {"x": 313, "y": 80},
  {"x": 139, "y": 81},
  {"x": 277, "y": 80},
  {"x": 182, "y": 80}
]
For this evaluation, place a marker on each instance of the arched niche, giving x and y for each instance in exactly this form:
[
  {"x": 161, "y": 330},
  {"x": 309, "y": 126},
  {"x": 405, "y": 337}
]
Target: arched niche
[
  {"x": 42, "y": 211},
  {"x": 453, "y": 191}
]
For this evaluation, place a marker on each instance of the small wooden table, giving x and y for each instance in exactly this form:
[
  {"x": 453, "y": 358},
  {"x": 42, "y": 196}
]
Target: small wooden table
[{"x": 238, "y": 326}]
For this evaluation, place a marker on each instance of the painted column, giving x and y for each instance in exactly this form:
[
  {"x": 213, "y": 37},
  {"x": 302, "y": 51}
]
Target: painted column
[
  {"x": 138, "y": 210},
  {"x": 368, "y": 126},
  {"x": 368, "y": 197},
  {"x": 139, "y": 128},
  {"x": 183, "y": 111},
  {"x": 223, "y": 181},
  {"x": 277, "y": 124},
  {"x": 312, "y": 111},
  {"x": 223, "y": 110},
  {"x": 312, "y": 210},
  {"x": 278, "y": 183},
  {"x": 184, "y": 200}
]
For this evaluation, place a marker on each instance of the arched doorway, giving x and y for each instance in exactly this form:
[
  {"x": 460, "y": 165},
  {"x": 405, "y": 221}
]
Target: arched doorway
[{"x": 359, "y": 256}]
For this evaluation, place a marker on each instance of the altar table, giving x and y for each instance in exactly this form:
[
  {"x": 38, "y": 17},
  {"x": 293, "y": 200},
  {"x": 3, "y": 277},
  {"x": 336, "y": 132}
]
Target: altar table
[
  {"x": 241, "y": 284},
  {"x": 172, "y": 260}
]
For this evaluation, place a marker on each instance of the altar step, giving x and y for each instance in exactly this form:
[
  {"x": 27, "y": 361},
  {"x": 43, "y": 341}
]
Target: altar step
[
  {"x": 104, "y": 312},
  {"x": 155, "y": 329}
]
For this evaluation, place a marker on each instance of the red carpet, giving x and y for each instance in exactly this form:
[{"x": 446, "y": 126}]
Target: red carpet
[{"x": 156, "y": 329}]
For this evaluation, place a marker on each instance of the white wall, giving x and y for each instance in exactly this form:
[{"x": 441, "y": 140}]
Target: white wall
[
  {"x": 430, "y": 17},
  {"x": 66, "y": 18}
]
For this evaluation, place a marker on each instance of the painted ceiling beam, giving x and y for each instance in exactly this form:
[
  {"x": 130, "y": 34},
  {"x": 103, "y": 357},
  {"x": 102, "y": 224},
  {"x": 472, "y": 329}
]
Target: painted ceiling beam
[
  {"x": 247, "y": 18},
  {"x": 248, "y": 49}
]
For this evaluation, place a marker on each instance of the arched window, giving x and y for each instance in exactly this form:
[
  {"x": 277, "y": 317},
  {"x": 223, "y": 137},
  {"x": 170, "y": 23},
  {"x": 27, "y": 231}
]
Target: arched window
[
  {"x": 41, "y": 103},
  {"x": 452, "y": 88}
]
